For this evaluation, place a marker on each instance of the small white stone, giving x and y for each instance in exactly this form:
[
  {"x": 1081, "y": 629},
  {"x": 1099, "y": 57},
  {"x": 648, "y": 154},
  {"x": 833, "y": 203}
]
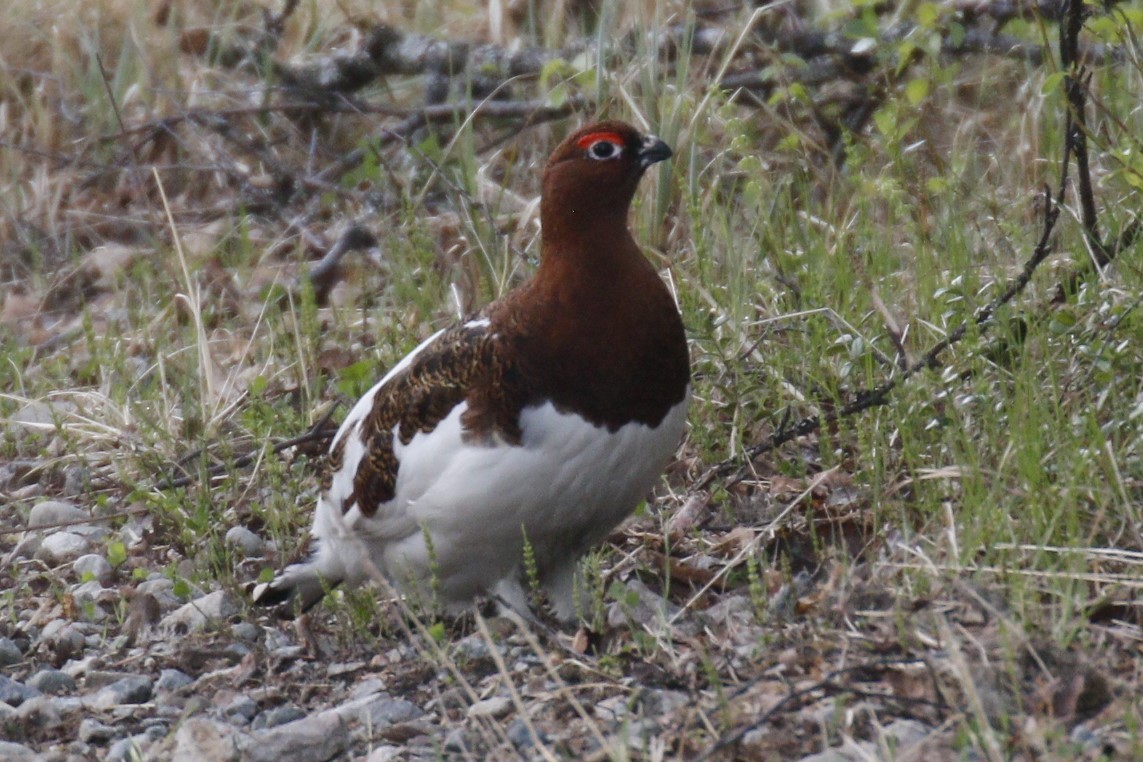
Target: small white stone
[
  {"x": 62, "y": 547},
  {"x": 242, "y": 539},
  {"x": 51, "y": 512},
  {"x": 195, "y": 615},
  {"x": 496, "y": 707},
  {"x": 94, "y": 565}
]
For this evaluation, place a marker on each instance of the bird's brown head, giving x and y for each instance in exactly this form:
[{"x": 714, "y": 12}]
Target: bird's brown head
[{"x": 591, "y": 177}]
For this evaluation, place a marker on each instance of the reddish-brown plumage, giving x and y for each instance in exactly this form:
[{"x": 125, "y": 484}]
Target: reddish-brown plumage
[{"x": 545, "y": 417}]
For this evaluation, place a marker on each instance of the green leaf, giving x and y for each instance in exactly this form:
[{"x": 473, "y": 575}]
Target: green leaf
[
  {"x": 116, "y": 553},
  {"x": 353, "y": 378},
  {"x": 181, "y": 588},
  {"x": 1052, "y": 83},
  {"x": 916, "y": 91},
  {"x": 257, "y": 386}
]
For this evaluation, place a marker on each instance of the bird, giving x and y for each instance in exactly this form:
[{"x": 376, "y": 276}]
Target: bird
[{"x": 502, "y": 449}]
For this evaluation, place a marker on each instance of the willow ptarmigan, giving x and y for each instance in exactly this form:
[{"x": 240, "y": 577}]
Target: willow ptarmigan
[{"x": 542, "y": 421}]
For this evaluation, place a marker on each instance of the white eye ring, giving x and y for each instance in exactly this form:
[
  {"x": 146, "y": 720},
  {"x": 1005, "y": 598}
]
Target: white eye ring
[{"x": 604, "y": 150}]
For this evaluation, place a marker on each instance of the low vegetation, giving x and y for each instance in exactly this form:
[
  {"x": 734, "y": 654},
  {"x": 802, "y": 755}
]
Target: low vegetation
[{"x": 961, "y": 553}]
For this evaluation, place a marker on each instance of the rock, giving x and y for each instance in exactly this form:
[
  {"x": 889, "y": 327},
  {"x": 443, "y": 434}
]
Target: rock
[
  {"x": 497, "y": 706},
  {"x": 202, "y": 740},
  {"x": 163, "y": 590},
  {"x": 9, "y": 716},
  {"x": 137, "y": 747},
  {"x": 66, "y": 639},
  {"x": 641, "y": 606},
  {"x": 40, "y": 416},
  {"x": 196, "y": 615},
  {"x": 9, "y": 653},
  {"x": 93, "y": 731},
  {"x": 130, "y": 690},
  {"x": 246, "y": 542},
  {"x": 455, "y": 741},
  {"x": 240, "y": 709},
  {"x": 279, "y": 715},
  {"x": 317, "y": 738},
  {"x": 384, "y": 754},
  {"x": 172, "y": 680},
  {"x": 14, "y": 752},
  {"x": 52, "y": 512},
  {"x": 470, "y": 649},
  {"x": 61, "y": 547},
  {"x": 77, "y": 480},
  {"x": 13, "y": 693},
  {"x": 38, "y": 712},
  {"x": 377, "y": 711},
  {"x": 521, "y": 737},
  {"x": 98, "y": 678},
  {"x": 27, "y": 547},
  {"x": 366, "y": 687},
  {"x": 89, "y": 592},
  {"x": 127, "y": 749},
  {"x": 246, "y": 631},
  {"x": 93, "y": 566},
  {"x": 52, "y": 681}
]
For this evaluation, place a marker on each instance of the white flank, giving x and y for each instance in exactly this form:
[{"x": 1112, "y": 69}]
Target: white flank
[{"x": 565, "y": 486}]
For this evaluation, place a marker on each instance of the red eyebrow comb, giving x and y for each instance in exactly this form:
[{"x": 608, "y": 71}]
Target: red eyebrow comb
[{"x": 594, "y": 137}]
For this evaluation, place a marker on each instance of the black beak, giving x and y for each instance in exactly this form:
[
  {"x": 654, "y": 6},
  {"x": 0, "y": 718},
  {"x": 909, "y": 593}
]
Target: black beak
[{"x": 653, "y": 151}]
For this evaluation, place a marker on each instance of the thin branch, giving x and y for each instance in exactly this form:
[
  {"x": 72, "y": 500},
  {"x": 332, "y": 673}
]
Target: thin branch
[
  {"x": 879, "y": 395},
  {"x": 319, "y": 432}
]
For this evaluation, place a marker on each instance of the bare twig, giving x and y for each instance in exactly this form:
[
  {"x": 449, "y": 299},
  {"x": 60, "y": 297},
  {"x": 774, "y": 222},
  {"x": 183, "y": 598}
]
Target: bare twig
[
  {"x": 323, "y": 275},
  {"x": 319, "y": 432},
  {"x": 879, "y": 395}
]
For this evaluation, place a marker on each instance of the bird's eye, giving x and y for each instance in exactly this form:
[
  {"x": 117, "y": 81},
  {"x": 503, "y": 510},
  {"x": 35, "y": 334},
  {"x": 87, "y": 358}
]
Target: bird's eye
[{"x": 602, "y": 150}]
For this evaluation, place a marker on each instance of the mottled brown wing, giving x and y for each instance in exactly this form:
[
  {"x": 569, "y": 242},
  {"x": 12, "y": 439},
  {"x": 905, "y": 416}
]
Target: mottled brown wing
[{"x": 463, "y": 363}]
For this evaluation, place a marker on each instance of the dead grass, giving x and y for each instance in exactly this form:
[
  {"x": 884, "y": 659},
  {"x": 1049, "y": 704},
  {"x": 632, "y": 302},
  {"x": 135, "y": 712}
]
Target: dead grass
[{"x": 954, "y": 574}]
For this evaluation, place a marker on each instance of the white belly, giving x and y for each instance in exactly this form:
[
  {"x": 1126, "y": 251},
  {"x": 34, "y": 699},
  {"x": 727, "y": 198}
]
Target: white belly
[{"x": 564, "y": 487}]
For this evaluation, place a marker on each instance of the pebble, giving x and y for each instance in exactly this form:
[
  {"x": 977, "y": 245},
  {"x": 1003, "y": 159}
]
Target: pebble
[
  {"x": 130, "y": 690},
  {"x": 642, "y": 606},
  {"x": 315, "y": 738},
  {"x": 377, "y": 711},
  {"x": 202, "y": 740},
  {"x": 52, "y": 512},
  {"x": 88, "y": 592},
  {"x": 128, "y": 749},
  {"x": 194, "y": 616},
  {"x": 14, "y": 752},
  {"x": 62, "y": 547},
  {"x": 279, "y": 715},
  {"x": 66, "y": 640},
  {"x": 384, "y": 754},
  {"x": 240, "y": 710},
  {"x": 172, "y": 680},
  {"x": 14, "y": 693},
  {"x": 93, "y": 566},
  {"x": 497, "y": 706},
  {"x": 93, "y": 731},
  {"x": 454, "y": 741},
  {"x": 38, "y": 712},
  {"x": 9, "y": 653},
  {"x": 162, "y": 589},
  {"x": 52, "y": 681},
  {"x": 242, "y": 539},
  {"x": 247, "y": 631},
  {"x": 521, "y": 737},
  {"x": 471, "y": 648}
]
